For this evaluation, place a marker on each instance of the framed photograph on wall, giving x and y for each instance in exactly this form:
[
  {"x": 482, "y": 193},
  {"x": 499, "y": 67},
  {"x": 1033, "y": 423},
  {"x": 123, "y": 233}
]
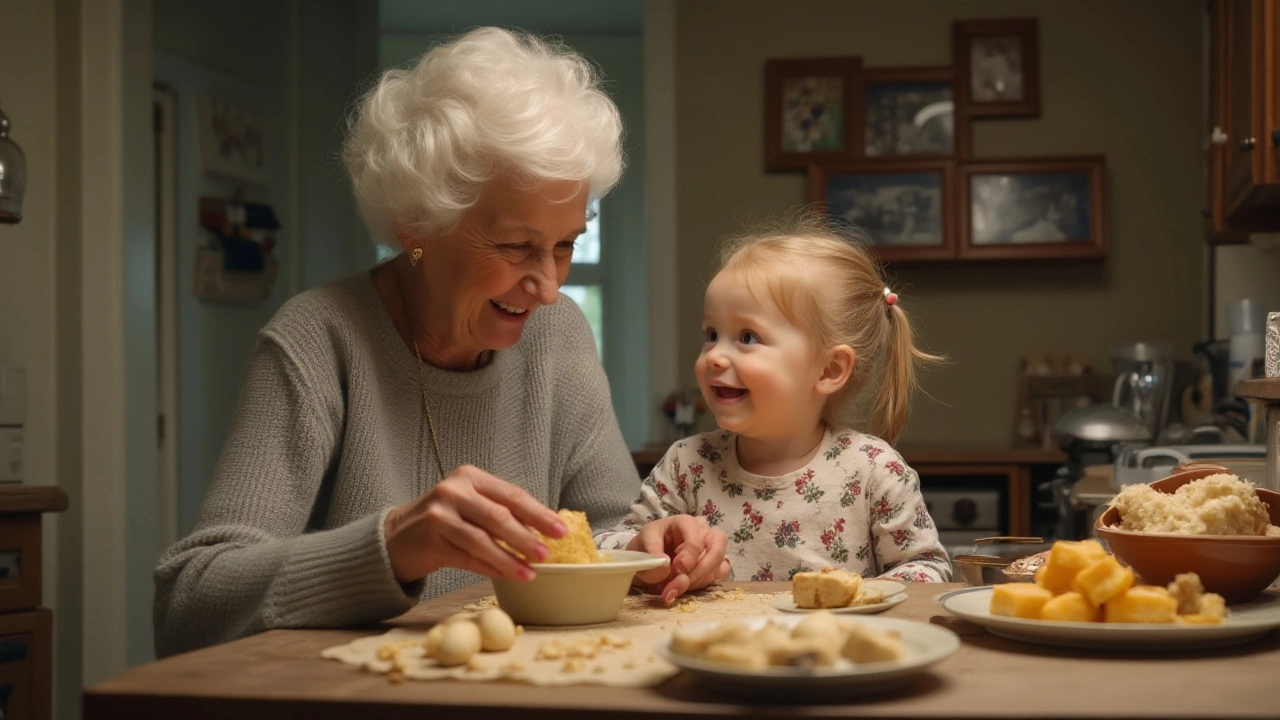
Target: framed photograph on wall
[
  {"x": 902, "y": 205},
  {"x": 233, "y": 142},
  {"x": 997, "y": 66},
  {"x": 1036, "y": 208},
  {"x": 911, "y": 112},
  {"x": 807, "y": 111}
]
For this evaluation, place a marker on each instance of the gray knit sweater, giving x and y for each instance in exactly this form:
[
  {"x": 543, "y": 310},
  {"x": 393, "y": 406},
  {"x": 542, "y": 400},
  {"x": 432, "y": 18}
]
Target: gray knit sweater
[{"x": 325, "y": 440}]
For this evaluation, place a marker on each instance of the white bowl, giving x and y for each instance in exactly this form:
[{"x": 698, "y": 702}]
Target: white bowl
[{"x": 574, "y": 594}]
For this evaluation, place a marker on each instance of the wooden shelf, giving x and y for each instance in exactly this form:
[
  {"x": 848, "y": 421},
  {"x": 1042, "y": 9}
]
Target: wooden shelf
[
  {"x": 1267, "y": 389},
  {"x": 16, "y": 499}
]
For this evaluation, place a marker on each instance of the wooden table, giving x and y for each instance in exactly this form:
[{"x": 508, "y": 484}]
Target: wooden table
[{"x": 279, "y": 674}]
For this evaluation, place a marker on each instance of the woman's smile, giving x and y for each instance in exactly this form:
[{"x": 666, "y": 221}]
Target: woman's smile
[{"x": 510, "y": 312}]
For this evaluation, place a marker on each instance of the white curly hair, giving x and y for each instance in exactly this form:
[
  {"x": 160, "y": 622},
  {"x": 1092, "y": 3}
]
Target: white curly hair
[{"x": 423, "y": 142}]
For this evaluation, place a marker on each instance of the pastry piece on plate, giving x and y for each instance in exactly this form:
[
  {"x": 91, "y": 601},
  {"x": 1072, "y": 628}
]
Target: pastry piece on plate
[{"x": 826, "y": 588}]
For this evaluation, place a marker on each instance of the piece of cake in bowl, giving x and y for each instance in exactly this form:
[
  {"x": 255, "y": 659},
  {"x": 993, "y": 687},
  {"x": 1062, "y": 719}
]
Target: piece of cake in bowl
[{"x": 577, "y": 584}]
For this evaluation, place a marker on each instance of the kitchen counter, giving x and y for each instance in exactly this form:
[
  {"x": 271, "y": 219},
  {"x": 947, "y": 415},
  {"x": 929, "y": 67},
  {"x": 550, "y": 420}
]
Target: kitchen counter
[{"x": 280, "y": 674}]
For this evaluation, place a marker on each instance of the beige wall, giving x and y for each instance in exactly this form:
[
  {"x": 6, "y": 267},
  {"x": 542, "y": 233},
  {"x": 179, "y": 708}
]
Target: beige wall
[
  {"x": 30, "y": 306},
  {"x": 1119, "y": 77},
  {"x": 71, "y": 96}
]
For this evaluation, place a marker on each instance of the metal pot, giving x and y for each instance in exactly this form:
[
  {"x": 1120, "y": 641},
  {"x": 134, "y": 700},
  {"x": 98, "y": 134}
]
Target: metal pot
[
  {"x": 1102, "y": 424},
  {"x": 1001, "y": 560}
]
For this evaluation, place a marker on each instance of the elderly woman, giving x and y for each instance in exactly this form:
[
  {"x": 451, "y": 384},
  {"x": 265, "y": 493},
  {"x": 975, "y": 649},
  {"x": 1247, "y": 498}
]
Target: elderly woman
[{"x": 394, "y": 425}]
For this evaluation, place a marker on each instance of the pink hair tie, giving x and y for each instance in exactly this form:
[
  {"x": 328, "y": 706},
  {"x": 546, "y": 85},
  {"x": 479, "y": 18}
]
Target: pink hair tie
[{"x": 890, "y": 297}]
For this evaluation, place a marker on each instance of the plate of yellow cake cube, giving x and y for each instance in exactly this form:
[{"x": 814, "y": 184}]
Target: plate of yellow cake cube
[
  {"x": 1083, "y": 597},
  {"x": 814, "y": 655},
  {"x": 839, "y": 591}
]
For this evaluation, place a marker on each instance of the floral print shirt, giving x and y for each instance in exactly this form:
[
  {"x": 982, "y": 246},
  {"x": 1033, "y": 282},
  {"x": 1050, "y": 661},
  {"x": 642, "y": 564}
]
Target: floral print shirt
[{"x": 856, "y": 505}]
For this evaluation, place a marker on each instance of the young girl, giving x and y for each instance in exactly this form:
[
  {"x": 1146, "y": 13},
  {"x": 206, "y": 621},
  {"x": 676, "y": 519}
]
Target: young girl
[{"x": 796, "y": 323}]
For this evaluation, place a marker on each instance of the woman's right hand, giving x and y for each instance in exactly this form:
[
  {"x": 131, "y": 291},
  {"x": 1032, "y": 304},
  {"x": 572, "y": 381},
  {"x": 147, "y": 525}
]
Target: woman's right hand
[{"x": 457, "y": 523}]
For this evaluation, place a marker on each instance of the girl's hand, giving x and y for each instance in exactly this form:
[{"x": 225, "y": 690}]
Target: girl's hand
[
  {"x": 457, "y": 523},
  {"x": 696, "y": 551}
]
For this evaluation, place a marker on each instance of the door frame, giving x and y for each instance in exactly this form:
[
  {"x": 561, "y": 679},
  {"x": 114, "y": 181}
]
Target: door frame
[
  {"x": 165, "y": 103},
  {"x": 118, "y": 462}
]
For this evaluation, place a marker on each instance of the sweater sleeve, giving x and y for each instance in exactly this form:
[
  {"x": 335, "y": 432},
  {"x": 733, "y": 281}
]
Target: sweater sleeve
[
  {"x": 249, "y": 563},
  {"x": 660, "y": 496},
  {"x": 600, "y": 477},
  {"x": 906, "y": 542}
]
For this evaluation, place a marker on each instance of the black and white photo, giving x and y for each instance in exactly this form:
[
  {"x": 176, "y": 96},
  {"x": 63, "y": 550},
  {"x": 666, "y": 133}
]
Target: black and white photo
[
  {"x": 997, "y": 64},
  {"x": 895, "y": 209},
  {"x": 1029, "y": 208},
  {"x": 1047, "y": 207},
  {"x": 909, "y": 118},
  {"x": 995, "y": 68}
]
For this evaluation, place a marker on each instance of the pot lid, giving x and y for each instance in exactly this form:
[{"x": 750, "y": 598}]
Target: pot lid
[{"x": 1102, "y": 423}]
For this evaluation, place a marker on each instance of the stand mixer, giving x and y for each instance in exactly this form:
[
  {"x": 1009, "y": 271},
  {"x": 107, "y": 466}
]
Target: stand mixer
[{"x": 1144, "y": 374}]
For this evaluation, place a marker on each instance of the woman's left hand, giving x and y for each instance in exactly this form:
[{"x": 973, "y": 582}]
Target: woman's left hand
[{"x": 696, "y": 551}]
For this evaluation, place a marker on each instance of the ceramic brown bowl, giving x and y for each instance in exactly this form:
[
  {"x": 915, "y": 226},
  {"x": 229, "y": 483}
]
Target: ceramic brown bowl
[{"x": 1236, "y": 567}]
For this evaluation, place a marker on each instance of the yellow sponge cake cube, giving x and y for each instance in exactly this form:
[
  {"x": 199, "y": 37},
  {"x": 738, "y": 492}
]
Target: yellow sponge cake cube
[
  {"x": 1020, "y": 600},
  {"x": 1212, "y": 605},
  {"x": 1070, "y": 607},
  {"x": 1066, "y": 558},
  {"x": 828, "y": 588},
  {"x": 1142, "y": 604},
  {"x": 577, "y": 547},
  {"x": 1103, "y": 581}
]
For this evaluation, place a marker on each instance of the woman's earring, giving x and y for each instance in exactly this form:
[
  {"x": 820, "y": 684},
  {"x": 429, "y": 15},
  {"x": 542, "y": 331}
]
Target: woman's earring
[{"x": 414, "y": 256}]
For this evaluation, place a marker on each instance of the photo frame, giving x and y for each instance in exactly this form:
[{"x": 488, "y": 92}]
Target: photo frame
[
  {"x": 904, "y": 206},
  {"x": 233, "y": 141},
  {"x": 910, "y": 112},
  {"x": 1033, "y": 208},
  {"x": 808, "y": 105},
  {"x": 997, "y": 64}
]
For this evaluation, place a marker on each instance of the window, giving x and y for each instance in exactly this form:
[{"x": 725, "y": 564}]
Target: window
[
  {"x": 586, "y": 278},
  {"x": 382, "y": 253}
]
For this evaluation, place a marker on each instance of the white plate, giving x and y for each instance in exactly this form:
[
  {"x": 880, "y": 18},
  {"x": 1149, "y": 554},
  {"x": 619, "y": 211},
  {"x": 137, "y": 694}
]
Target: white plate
[
  {"x": 894, "y": 594},
  {"x": 925, "y": 645},
  {"x": 1244, "y": 622}
]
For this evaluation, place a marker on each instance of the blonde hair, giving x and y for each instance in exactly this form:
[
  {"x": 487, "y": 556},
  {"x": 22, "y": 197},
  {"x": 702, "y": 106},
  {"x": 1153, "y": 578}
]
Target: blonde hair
[
  {"x": 826, "y": 283},
  {"x": 424, "y": 141}
]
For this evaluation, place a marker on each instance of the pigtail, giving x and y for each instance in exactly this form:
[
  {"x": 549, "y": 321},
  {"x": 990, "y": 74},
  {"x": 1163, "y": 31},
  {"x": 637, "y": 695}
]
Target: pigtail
[{"x": 898, "y": 373}]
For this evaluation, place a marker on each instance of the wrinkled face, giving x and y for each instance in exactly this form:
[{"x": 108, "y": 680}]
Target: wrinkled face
[
  {"x": 757, "y": 371},
  {"x": 507, "y": 256}
]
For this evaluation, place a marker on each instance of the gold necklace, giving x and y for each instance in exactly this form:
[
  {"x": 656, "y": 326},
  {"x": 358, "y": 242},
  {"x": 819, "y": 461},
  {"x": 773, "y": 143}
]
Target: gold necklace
[
  {"x": 422, "y": 385},
  {"x": 426, "y": 406}
]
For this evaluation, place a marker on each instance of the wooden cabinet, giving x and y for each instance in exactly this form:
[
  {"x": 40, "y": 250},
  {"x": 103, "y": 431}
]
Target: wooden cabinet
[
  {"x": 26, "y": 629},
  {"x": 1244, "y": 117}
]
